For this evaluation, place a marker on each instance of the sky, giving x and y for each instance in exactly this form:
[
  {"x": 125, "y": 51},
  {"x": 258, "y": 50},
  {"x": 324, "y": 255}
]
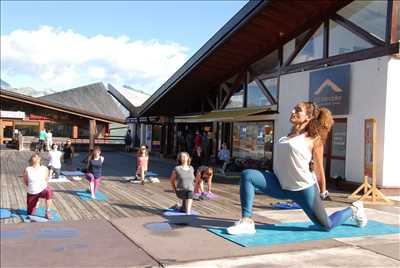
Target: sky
[{"x": 65, "y": 44}]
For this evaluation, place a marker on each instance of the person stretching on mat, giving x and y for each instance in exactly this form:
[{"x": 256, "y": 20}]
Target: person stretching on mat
[
  {"x": 182, "y": 179},
  {"x": 94, "y": 170},
  {"x": 142, "y": 163},
  {"x": 36, "y": 179},
  {"x": 55, "y": 161},
  {"x": 292, "y": 178},
  {"x": 203, "y": 173}
]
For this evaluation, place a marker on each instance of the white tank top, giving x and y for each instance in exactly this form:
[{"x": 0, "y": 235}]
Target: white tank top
[
  {"x": 55, "y": 159},
  {"x": 292, "y": 166},
  {"x": 36, "y": 179}
]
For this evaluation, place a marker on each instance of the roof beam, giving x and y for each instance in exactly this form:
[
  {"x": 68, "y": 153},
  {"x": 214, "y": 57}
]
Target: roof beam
[{"x": 357, "y": 30}]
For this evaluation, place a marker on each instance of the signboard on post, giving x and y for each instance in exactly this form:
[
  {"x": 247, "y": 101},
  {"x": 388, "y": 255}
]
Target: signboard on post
[
  {"x": 370, "y": 190},
  {"x": 370, "y": 148}
]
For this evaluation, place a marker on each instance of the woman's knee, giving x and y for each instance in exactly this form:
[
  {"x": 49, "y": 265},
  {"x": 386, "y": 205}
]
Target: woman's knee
[
  {"x": 247, "y": 174},
  {"x": 90, "y": 177},
  {"x": 49, "y": 194}
]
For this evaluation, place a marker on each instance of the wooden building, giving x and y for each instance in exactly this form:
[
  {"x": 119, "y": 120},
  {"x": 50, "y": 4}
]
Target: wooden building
[
  {"x": 83, "y": 114},
  {"x": 243, "y": 82}
]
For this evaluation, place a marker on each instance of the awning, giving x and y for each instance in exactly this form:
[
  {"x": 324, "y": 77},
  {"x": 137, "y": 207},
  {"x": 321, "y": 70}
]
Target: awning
[{"x": 228, "y": 115}]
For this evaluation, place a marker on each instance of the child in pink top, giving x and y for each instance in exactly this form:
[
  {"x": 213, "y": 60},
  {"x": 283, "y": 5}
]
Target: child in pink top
[{"x": 142, "y": 163}]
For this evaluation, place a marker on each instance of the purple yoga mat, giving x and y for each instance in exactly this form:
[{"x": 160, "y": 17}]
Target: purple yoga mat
[
  {"x": 212, "y": 196},
  {"x": 173, "y": 212}
]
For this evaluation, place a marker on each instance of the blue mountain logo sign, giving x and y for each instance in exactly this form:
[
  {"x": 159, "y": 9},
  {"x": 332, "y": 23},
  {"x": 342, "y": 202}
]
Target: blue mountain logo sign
[
  {"x": 330, "y": 88},
  {"x": 328, "y": 84}
]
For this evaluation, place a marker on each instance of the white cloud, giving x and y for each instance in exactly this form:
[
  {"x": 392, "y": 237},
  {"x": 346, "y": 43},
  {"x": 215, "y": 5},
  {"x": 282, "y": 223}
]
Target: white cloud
[{"x": 64, "y": 59}]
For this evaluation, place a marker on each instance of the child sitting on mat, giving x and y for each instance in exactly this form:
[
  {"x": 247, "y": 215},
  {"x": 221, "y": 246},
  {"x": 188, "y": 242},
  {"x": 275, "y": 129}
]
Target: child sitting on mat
[
  {"x": 142, "y": 163},
  {"x": 94, "y": 170},
  {"x": 182, "y": 179},
  {"x": 203, "y": 173},
  {"x": 36, "y": 179}
]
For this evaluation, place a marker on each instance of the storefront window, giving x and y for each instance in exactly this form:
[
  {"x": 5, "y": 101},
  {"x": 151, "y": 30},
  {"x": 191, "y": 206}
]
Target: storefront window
[
  {"x": 237, "y": 100},
  {"x": 343, "y": 41},
  {"x": 337, "y": 168},
  {"x": 369, "y": 15},
  {"x": 253, "y": 140},
  {"x": 313, "y": 48},
  {"x": 83, "y": 132},
  {"x": 290, "y": 46},
  {"x": 339, "y": 139},
  {"x": 58, "y": 129},
  {"x": 156, "y": 138},
  {"x": 28, "y": 128},
  {"x": 336, "y": 150},
  {"x": 255, "y": 96},
  {"x": 272, "y": 87}
]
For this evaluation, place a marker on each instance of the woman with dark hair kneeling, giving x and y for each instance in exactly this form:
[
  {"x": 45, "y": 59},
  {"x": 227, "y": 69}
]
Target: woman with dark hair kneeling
[
  {"x": 203, "y": 174},
  {"x": 36, "y": 179},
  {"x": 292, "y": 178},
  {"x": 182, "y": 179}
]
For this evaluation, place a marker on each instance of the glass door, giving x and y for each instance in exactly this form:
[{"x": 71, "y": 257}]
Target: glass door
[{"x": 335, "y": 150}]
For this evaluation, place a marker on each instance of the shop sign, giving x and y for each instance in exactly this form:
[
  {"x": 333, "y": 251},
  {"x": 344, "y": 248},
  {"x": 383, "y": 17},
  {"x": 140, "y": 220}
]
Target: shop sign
[
  {"x": 12, "y": 114},
  {"x": 38, "y": 117},
  {"x": 330, "y": 88},
  {"x": 131, "y": 120}
]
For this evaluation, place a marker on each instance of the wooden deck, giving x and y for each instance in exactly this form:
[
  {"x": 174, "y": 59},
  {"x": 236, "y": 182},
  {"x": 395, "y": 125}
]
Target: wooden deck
[{"x": 124, "y": 199}]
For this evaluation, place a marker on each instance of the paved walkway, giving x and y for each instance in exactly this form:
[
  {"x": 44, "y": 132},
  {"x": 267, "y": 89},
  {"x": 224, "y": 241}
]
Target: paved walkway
[{"x": 128, "y": 230}]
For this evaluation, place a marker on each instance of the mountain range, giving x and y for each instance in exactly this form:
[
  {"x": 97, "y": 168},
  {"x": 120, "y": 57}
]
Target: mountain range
[{"x": 29, "y": 91}]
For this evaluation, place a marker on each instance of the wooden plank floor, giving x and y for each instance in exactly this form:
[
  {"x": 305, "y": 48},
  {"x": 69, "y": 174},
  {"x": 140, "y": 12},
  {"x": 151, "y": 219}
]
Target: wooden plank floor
[{"x": 124, "y": 199}]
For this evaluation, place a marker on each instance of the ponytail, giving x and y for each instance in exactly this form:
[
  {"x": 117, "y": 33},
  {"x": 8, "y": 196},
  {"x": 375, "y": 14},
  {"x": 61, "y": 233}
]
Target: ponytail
[{"x": 321, "y": 122}]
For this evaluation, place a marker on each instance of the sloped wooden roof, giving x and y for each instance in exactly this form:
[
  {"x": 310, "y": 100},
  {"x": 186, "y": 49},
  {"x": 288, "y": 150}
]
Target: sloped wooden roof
[
  {"x": 256, "y": 30},
  {"x": 92, "y": 98},
  {"x": 23, "y": 99}
]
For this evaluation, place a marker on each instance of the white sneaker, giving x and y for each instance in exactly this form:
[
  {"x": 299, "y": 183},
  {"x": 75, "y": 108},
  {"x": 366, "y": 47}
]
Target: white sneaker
[
  {"x": 360, "y": 216},
  {"x": 241, "y": 227}
]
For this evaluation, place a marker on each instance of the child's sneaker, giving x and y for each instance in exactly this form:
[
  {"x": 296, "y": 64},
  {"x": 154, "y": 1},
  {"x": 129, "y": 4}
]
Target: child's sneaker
[
  {"x": 360, "y": 216},
  {"x": 242, "y": 227},
  {"x": 196, "y": 196}
]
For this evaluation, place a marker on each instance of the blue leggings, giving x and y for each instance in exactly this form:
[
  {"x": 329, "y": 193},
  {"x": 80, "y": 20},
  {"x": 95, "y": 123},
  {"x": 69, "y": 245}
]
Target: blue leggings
[{"x": 308, "y": 199}]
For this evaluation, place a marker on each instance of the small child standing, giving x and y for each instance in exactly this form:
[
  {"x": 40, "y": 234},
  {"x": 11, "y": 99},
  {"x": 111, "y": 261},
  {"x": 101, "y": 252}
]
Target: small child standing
[
  {"x": 142, "y": 163},
  {"x": 55, "y": 161},
  {"x": 182, "y": 181}
]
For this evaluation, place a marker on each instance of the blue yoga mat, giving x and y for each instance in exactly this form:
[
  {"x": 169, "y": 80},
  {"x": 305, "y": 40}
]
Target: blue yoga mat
[
  {"x": 40, "y": 212},
  {"x": 151, "y": 174},
  {"x": 5, "y": 213},
  {"x": 72, "y": 173},
  {"x": 173, "y": 212},
  {"x": 86, "y": 196},
  {"x": 285, "y": 206},
  {"x": 297, "y": 232}
]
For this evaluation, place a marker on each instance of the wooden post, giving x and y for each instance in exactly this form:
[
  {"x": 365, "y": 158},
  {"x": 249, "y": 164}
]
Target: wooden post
[
  {"x": 92, "y": 133},
  {"x": 214, "y": 138},
  {"x": 75, "y": 132},
  {"x": 369, "y": 165},
  {"x": 1, "y": 132},
  {"x": 41, "y": 125}
]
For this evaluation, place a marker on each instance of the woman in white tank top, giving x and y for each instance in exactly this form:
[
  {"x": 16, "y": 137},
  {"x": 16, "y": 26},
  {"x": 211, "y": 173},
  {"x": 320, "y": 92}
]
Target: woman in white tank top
[
  {"x": 292, "y": 177},
  {"x": 36, "y": 179}
]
